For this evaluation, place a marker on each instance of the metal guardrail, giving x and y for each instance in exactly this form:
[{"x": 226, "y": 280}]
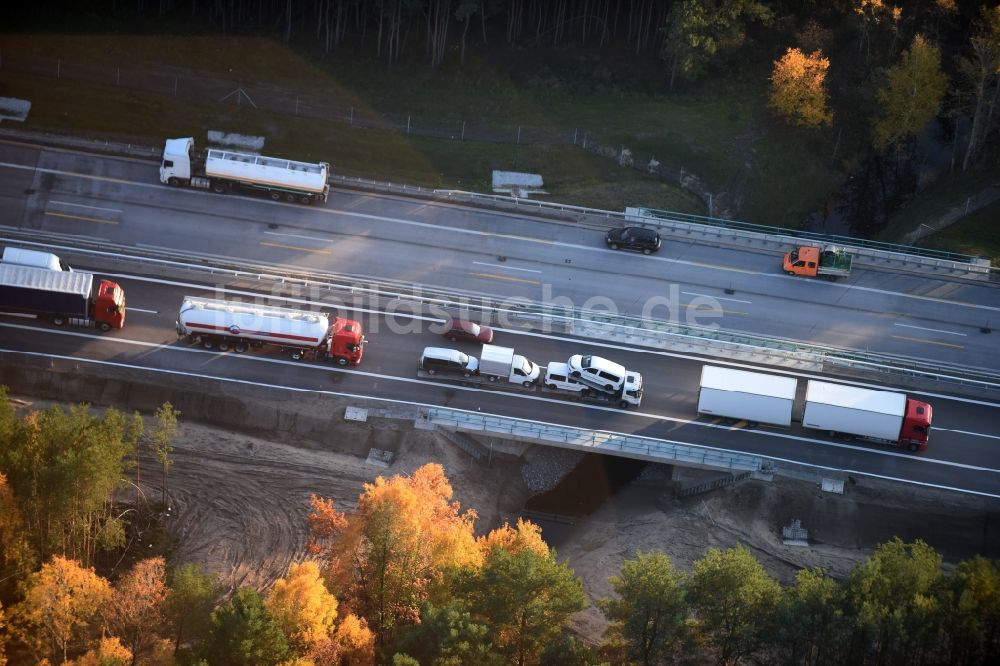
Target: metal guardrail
[
  {"x": 633, "y": 446},
  {"x": 809, "y": 235},
  {"x": 660, "y": 333},
  {"x": 687, "y": 222}
]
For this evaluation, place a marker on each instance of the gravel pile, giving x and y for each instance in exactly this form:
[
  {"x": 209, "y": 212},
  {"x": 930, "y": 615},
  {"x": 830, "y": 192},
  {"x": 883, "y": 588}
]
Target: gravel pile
[{"x": 545, "y": 466}]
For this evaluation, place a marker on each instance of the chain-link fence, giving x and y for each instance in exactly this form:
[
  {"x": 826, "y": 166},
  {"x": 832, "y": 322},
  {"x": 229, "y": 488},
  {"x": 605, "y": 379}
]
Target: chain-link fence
[{"x": 202, "y": 88}]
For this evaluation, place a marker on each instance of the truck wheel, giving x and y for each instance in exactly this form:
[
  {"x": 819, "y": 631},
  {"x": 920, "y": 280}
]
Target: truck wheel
[
  {"x": 59, "y": 321},
  {"x": 614, "y": 246},
  {"x": 239, "y": 348},
  {"x": 223, "y": 346},
  {"x": 466, "y": 374},
  {"x": 914, "y": 447},
  {"x": 623, "y": 404},
  {"x": 341, "y": 360},
  {"x": 290, "y": 198},
  {"x": 219, "y": 187},
  {"x": 305, "y": 199},
  {"x": 297, "y": 355},
  {"x": 551, "y": 387},
  {"x": 790, "y": 272},
  {"x": 104, "y": 326},
  {"x": 173, "y": 182},
  {"x": 276, "y": 196},
  {"x": 646, "y": 250},
  {"x": 575, "y": 373},
  {"x": 608, "y": 387},
  {"x": 526, "y": 384},
  {"x": 207, "y": 344}
]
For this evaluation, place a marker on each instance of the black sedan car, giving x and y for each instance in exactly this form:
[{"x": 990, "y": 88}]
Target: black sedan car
[
  {"x": 459, "y": 330},
  {"x": 633, "y": 238}
]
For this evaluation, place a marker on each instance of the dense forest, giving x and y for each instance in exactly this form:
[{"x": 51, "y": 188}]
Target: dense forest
[{"x": 404, "y": 579}]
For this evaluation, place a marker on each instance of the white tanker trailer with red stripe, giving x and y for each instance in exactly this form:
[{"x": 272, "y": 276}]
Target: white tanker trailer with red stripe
[{"x": 239, "y": 326}]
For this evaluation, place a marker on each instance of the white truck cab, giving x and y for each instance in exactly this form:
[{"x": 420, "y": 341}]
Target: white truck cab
[{"x": 176, "y": 165}]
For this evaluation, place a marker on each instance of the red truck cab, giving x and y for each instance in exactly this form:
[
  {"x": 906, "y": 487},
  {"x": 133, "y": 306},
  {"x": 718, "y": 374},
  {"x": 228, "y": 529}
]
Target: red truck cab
[
  {"x": 109, "y": 306},
  {"x": 347, "y": 341},
  {"x": 916, "y": 425}
]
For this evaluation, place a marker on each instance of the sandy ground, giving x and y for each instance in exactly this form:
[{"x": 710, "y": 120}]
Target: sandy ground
[{"x": 238, "y": 505}]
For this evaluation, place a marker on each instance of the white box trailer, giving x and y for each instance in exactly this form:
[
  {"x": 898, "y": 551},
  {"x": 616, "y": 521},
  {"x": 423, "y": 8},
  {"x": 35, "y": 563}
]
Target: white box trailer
[
  {"x": 854, "y": 411},
  {"x": 749, "y": 396}
]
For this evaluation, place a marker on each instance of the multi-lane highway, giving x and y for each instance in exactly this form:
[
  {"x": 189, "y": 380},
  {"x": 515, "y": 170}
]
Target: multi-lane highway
[{"x": 422, "y": 243}]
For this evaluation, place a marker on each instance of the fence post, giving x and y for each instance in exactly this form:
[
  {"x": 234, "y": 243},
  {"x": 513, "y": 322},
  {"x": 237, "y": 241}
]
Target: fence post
[
  {"x": 408, "y": 124},
  {"x": 463, "y": 130},
  {"x": 352, "y": 117},
  {"x": 296, "y": 105},
  {"x": 574, "y": 136},
  {"x": 175, "y": 91},
  {"x": 518, "y": 135}
]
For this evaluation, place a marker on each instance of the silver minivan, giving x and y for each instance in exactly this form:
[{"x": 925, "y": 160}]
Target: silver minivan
[
  {"x": 449, "y": 361},
  {"x": 22, "y": 257}
]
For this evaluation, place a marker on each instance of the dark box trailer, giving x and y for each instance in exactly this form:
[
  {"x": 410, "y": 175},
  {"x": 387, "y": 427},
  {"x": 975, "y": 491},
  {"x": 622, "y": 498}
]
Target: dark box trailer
[{"x": 37, "y": 291}]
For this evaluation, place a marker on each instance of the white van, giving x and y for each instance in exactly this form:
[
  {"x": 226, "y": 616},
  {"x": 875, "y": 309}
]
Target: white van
[
  {"x": 597, "y": 372},
  {"x": 33, "y": 258},
  {"x": 557, "y": 377}
]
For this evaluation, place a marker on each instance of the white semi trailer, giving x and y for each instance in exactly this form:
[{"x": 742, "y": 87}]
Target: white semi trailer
[
  {"x": 845, "y": 411},
  {"x": 749, "y": 396},
  {"x": 881, "y": 416},
  {"x": 224, "y": 170}
]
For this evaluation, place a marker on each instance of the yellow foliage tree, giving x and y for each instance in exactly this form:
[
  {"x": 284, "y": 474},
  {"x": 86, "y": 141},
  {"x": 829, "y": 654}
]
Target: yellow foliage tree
[
  {"x": 60, "y": 601},
  {"x": 798, "y": 88},
  {"x": 355, "y": 642},
  {"x": 525, "y": 536},
  {"x": 303, "y": 607},
  {"x": 392, "y": 553},
  {"x": 109, "y": 650}
]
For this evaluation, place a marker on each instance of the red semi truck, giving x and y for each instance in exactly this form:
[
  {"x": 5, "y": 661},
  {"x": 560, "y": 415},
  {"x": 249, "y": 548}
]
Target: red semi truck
[
  {"x": 239, "y": 326},
  {"x": 63, "y": 297}
]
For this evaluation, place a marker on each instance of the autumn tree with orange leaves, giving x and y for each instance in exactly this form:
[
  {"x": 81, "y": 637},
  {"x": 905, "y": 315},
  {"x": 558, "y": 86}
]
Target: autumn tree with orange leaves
[
  {"x": 136, "y": 610},
  {"x": 393, "y": 552},
  {"x": 798, "y": 88}
]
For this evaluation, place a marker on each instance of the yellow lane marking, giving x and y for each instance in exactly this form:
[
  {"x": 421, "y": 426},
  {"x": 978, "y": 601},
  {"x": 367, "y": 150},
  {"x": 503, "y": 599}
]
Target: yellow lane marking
[
  {"x": 707, "y": 309},
  {"x": 82, "y": 217},
  {"x": 524, "y": 238},
  {"x": 508, "y": 278},
  {"x": 928, "y": 342},
  {"x": 294, "y": 247}
]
